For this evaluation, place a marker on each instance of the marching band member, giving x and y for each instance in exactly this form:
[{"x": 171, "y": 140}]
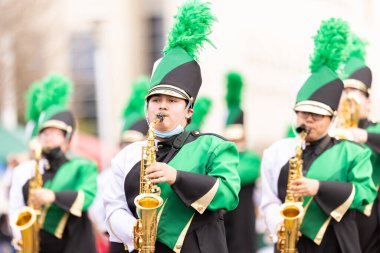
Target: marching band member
[
  {"x": 196, "y": 172},
  {"x": 336, "y": 173},
  {"x": 69, "y": 185}
]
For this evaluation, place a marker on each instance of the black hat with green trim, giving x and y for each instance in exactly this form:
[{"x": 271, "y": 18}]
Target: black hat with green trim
[
  {"x": 356, "y": 74},
  {"x": 321, "y": 92},
  {"x": 135, "y": 126},
  {"x": 201, "y": 108},
  {"x": 178, "y": 73},
  {"x": 56, "y": 90},
  {"x": 235, "y": 119},
  {"x": 32, "y": 109}
]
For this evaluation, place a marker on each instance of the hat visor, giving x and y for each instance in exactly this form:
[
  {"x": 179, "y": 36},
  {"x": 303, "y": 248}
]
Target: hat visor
[
  {"x": 313, "y": 109},
  {"x": 170, "y": 90},
  {"x": 56, "y": 124},
  {"x": 356, "y": 84},
  {"x": 234, "y": 132},
  {"x": 165, "y": 92}
]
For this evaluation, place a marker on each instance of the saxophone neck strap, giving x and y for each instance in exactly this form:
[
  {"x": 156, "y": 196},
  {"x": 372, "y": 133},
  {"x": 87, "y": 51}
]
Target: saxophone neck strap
[
  {"x": 177, "y": 145},
  {"x": 322, "y": 145}
]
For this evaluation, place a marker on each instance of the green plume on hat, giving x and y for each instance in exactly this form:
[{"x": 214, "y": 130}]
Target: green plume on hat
[
  {"x": 134, "y": 108},
  {"x": 330, "y": 45},
  {"x": 33, "y": 110},
  {"x": 356, "y": 59},
  {"x": 56, "y": 91},
  {"x": 357, "y": 46},
  {"x": 191, "y": 27},
  {"x": 201, "y": 109},
  {"x": 233, "y": 96}
]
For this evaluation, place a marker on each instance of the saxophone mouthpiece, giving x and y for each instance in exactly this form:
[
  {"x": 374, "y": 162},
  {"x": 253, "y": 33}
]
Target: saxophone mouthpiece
[
  {"x": 160, "y": 116},
  {"x": 302, "y": 128}
]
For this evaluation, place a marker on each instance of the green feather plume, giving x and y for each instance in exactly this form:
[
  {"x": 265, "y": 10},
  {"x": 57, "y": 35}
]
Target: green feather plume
[
  {"x": 135, "y": 103},
  {"x": 191, "y": 27},
  {"x": 330, "y": 45},
  {"x": 56, "y": 91},
  {"x": 357, "y": 47},
  {"x": 234, "y": 89},
  {"x": 201, "y": 109},
  {"x": 134, "y": 108},
  {"x": 32, "y": 108},
  {"x": 233, "y": 96}
]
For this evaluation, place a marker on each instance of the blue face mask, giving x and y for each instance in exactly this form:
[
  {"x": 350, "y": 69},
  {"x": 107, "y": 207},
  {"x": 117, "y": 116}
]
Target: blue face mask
[{"x": 177, "y": 130}]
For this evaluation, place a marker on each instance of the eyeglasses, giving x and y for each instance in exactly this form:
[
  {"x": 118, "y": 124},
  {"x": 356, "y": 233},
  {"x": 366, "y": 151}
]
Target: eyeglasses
[{"x": 314, "y": 116}]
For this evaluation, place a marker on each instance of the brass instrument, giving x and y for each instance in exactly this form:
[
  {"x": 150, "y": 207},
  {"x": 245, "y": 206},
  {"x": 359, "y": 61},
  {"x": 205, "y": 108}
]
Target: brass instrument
[
  {"x": 148, "y": 201},
  {"x": 348, "y": 116},
  {"x": 27, "y": 217},
  {"x": 292, "y": 210}
]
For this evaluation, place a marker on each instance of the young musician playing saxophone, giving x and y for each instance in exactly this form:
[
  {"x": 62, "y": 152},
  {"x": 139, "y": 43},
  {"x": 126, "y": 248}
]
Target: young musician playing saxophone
[
  {"x": 69, "y": 184},
  {"x": 337, "y": 173},
  {"x": 196, "y": 172}
]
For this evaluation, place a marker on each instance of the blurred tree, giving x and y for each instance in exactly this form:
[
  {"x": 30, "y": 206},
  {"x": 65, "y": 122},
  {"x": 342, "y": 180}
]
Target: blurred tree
[{"x": 27, "y": 31}]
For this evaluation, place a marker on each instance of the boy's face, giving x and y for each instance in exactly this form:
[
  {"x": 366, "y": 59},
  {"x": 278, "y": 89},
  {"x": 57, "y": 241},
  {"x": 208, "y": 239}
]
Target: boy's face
[
  {"x": 52, "y": 137},
  {"x": 173, "y": 109}
]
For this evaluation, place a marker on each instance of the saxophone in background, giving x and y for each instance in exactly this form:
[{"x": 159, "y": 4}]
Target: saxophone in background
[
  {"x": 27, "y": 217},
  {"x": 148, "y": 200},
  {"x": 348, "y": 116},
  {"x": 292, "y": 210}
]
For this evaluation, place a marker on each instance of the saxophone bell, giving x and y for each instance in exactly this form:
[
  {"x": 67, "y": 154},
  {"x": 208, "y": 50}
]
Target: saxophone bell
[
  {"x": 26, "y": 218},
  {"x": 348, "y": 116}
]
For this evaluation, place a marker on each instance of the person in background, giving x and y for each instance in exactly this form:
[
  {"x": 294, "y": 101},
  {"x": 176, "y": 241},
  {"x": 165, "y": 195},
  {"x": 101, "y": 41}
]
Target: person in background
[
  {"x": 336, "y": 174},
  {"x": 134, "y": 128},
  {"x": 201, "y": 108},
  {"x": 69, "y": 185},
  {"x": 240, "y": 223},
  {"x": 357, "y": 79}
]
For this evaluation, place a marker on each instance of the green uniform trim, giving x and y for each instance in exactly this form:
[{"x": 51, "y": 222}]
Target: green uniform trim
[
  {"x": 74, "y": 175},
  {"x": 174, "y": 58},
  {"x": 375, "y": 158},
  {"x": 249, "y": 167},
  {"x": 353, "y": 64},
  {"x": 316, "y": 81},
  {"x": 209, "y": 155}
]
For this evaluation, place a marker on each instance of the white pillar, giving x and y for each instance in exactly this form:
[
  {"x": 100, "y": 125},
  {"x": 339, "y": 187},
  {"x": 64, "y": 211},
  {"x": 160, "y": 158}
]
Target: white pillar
[{"x": 102, "y": 92}]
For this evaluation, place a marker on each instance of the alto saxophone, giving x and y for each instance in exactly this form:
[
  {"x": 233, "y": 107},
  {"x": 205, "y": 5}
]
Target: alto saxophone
[
  {"x": 27, "y": 217},
  {"x": 148, "y": 200},
  {"x": 292, "y": 210},
  {"x": 348, "y": 116}
]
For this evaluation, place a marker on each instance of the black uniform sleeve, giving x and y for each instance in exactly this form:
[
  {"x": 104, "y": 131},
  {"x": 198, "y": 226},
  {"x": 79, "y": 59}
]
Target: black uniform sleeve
[
  {"x": 192, "y": 186},
  {"x": 334, "y": 198},
  {"x": 67, "y": 199}
]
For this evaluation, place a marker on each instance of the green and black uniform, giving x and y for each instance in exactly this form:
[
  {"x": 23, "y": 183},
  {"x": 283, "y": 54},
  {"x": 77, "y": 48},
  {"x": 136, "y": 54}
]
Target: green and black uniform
[
  {"x": 65, "y": 226},
  {"x": 190, "y": 220},
  {"x": 343, "y": 169}
]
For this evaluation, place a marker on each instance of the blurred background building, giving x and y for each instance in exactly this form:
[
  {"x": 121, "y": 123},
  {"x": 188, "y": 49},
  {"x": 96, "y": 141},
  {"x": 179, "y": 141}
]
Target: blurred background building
[{"x": 104, "y": 45}]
